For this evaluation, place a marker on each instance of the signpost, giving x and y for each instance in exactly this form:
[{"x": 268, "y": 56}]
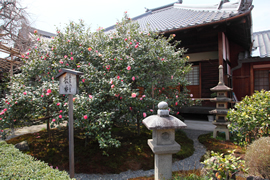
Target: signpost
[{"x": 69, "y": 84}]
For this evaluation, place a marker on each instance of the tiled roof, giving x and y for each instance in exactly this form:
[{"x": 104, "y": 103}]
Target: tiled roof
[
  {"x": 261, "y": 44},
  {"x": 177, "y": 16}
]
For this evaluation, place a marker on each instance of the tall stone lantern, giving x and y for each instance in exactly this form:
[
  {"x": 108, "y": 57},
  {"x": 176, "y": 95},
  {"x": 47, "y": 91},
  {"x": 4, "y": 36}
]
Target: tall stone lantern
[
  {"x": 163, "y": 142},
  {"x": 221, "y": 105}
]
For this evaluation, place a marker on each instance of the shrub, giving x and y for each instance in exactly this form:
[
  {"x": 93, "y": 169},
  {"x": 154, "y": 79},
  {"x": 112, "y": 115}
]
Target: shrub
[
  {"x": 222, "y": 166},
  {"x": 126, "y": 73},
  {"x": 258, "y": 157},
  {"x": 16, "y": 165},
  {"x": 251, "y": 118}
]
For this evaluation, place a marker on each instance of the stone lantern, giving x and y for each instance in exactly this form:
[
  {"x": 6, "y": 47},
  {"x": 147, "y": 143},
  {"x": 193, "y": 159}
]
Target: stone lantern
[
  {"x": 221, "y": 105},
  {"x": 163, "y": 142}
]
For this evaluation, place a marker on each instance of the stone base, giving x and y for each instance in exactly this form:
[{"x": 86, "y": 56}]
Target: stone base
[
  {"x": 163, "y": 166},
  {"x": 221, "y": 127}
]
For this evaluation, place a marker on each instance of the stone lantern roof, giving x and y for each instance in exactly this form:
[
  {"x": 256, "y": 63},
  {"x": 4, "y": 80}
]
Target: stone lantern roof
[
  {"x": 163, "y": 120},
  {"x": 221, "y": 87}
]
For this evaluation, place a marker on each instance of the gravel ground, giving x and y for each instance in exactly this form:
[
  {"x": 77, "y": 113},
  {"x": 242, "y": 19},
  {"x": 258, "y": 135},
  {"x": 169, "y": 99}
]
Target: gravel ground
[{"x": 192, "y": 162}]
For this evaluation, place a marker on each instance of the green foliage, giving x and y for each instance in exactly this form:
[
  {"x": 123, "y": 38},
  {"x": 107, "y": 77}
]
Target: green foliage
[
  {"x": 16, "y": 165},
  {"x": 126, "y": 73},
  {"x": 258, "y": 157},
  {"x": 222, "y": 166},
  {"x": 190, "y": 177},
  {"x": 251, "y": 118}
]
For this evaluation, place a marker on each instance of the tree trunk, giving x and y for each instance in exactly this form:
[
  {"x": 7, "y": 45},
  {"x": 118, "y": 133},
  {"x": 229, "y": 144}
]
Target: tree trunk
[
  {"x": 48, "y": 128},
  {"x": 138, "y": 125}
]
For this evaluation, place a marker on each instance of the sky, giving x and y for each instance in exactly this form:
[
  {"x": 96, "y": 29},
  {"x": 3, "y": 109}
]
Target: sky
[{"x": 48, "y": 14}]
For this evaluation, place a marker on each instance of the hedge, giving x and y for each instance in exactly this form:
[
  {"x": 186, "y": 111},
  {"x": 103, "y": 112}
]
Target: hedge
[{"x": 16, "y": 165}]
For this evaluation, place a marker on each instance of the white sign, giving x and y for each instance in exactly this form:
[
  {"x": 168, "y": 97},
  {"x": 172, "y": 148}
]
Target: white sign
[{"x": 68, "y": 84}]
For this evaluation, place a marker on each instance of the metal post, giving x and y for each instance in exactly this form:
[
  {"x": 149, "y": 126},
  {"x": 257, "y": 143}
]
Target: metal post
[{"x": 71, "y": 136}]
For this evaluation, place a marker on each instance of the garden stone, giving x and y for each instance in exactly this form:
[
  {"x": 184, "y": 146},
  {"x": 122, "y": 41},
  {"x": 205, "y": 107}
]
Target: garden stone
[{"x": 22, "y": 146}]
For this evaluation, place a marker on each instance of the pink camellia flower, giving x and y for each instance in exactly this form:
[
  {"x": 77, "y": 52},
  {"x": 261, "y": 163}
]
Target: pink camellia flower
[
  {"x": 60, "y": 116},
  {"x": 60, "y": 111},
  {"x": 176, "y": 103},
  {"x": 120, "y": 97},
  {"x": 78, "y": 66},
  {"x": 111, "y": 82},
  {"x": 112, "y": 86},
  {"x": 71, "y": 53},
  {"x": 133, "y": 95},
  {"x": 68, "y": 40},
  {"x": 22, "y": 56},
  {"x": 96, "y": 51},
  {"x": 118, "y": 77},
  {"x": 136, "y": 46},
  {"x": 128, "y": 68},
  {"x": 133, "y": 78},
  {"x": 61, "y": 62},
  {"x": 49, "y": 91},
  {"x": 90, "y": 96},
  {"x": 65, "y": 56},
  {"x": 171, "y": 77},
  {"x": 67, "y": 64},
  {"x": 58, "y": 104},
  {"x": 89, "y": 49},
  {"x": 47, "y": 94},
  {"x": 151, "y": 110},
  {"x": 85, "y": 117},
  {"x": 16, "y": 102},
  {"x": 38, "y": 137},
  {"x": 144, "y": 114},
  {"x": 125, "y": 12},
  {"x": 83, "y": 80},
  {"x": 27, "y": 53},
  {"x": 143, "y": 96},
  {"x": 177, "y": 113},
  {"x": 24, "y": 93},
  {"x": 191, "y": 95},
  {"x": 0, "y": 118},
  {"x": 52, "y": 78},
  {"x": 130, "y": 43},
  {"x": 42, "y": 95},
  {"x": 53, "y": 120},
  {"x": 5, "y": 109},
  {"x": 2, "y": 113},
  {"x": 125, "y": 39},
  {"x": 71, "y": 58},
  {"x": 37, "y": 39},
  {"x": 176, "y": 96},
  {"x": 130, "y": 108}
]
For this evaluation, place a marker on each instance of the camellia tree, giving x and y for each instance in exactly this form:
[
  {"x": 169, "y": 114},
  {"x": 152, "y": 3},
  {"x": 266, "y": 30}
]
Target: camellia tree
[{"x": 126, "y": 74}]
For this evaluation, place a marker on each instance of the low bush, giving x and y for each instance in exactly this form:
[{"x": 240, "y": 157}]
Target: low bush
[
  {"x": 222, "y": 166},
  {"x": 258, "y": 157},
  {"x": 251, "y": 118},
  {"x": 16, "y": 165}
]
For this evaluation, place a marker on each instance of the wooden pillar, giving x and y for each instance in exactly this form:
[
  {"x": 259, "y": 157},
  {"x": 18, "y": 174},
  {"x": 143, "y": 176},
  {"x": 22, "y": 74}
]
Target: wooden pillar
[
  {"x": 251, "y": 79},
  {"x": 220, "y": 49}
]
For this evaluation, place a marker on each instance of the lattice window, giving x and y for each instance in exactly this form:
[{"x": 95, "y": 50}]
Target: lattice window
[
  {"x": 193, "y": 76},
  {"x": 261, "y": 80}
]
